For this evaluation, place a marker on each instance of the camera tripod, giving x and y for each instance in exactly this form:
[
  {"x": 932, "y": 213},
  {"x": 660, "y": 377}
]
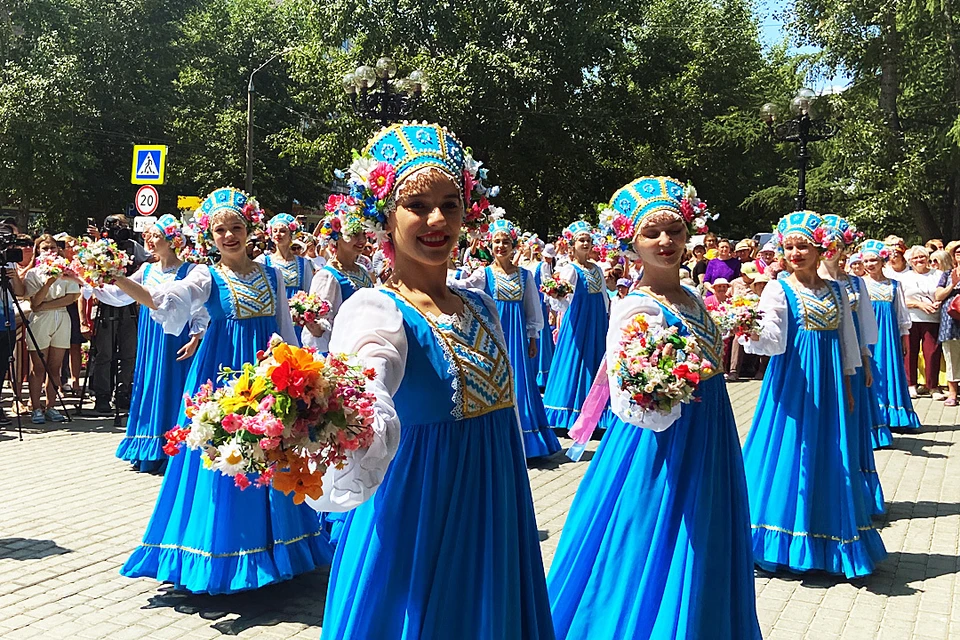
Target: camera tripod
[
  {"x": 113, "y": 323},
  {"x": 16, "y": 385}
]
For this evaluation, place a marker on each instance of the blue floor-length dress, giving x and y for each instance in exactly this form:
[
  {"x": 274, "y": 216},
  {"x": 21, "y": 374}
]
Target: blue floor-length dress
[
  {"x": 508, "y": 293},
  {"x": 297, "y": 276},
  {"x": 896, "y": 407},
  {"x": 866, "y": 406},
  {"x": 158, "y": 379},
  {"x": 546, "y": 346},
  {"x": 447, "y": 546},
  {"x": 657, "y": 542},
  {"x": 206, "y": 535},
  {"x": 579, "y": 350},
  {"x": 808, "y": 509}
]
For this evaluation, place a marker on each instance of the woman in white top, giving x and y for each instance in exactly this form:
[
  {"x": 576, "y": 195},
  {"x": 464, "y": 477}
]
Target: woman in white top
[
  {"x": 919, "y": 287},
  {"x": 49, "y": 298}
]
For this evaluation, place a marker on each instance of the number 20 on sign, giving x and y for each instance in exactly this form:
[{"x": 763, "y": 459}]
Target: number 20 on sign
[{"x": 147, "y": 200}]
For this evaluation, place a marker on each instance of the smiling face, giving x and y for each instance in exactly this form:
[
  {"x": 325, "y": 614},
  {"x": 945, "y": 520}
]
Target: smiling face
[
  {"x": 873, "y": 265},
  {"x": 154, "y": 241},
  {"x": 229, "y": 234},
  {"x": 347, "y": 248},
  {"x": 582, "y": 247},
  {"x": 48, "y": 248},
  {"x": 660, "y": 243},
  {"x": 427, "y": 220},
  {"x": 800, "y": 253},
  {"x": 281, "y": 236},
  {"x": 502, "y": 245},
  {"x": 920, "y": 262}
]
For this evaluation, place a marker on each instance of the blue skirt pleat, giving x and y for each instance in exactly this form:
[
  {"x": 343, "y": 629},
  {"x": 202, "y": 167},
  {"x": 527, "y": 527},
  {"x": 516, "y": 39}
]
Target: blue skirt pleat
[
  {"x": 157, "y": 394},
  {"x": 538, "y": 438},
  {"x": 579, "y": 352},
  {"x": 545, "y": 350},
  {"x": 807, "y": 506},
  {"x": 864, "y": 398},
  {"x": 448, "y": 546},
  {"x": 893, "y": 391},
  {"x": 657, "y": 542},
  {"x": 207, "y": 536}
]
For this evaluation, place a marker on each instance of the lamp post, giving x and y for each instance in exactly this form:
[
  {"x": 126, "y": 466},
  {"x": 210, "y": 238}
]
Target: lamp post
[
  {"x": 248, "y": 184},
  {"x": 393, "y": 101},
  {"x": 802, "y": 129}
]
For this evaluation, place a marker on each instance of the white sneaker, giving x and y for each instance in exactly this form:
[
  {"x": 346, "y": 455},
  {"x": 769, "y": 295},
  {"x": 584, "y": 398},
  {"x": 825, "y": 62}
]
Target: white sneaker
[{"x": 913, "y": 393}]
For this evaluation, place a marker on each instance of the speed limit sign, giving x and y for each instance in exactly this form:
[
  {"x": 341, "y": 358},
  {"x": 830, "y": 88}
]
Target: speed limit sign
[{"x": 147, "y": 200}]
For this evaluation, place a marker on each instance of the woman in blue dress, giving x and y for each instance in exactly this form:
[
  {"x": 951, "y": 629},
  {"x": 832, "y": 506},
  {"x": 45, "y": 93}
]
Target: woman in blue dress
[
  {"x": 894, "y": 323},
  {"x": 162, "y": 360},
  {"x": 808, "y": 509},
  {"x": 343, "y": 234},
  {"x": 297, "y": 271},
  {"x": 657, "y": 541},
  {"x": 518, "y": 304},
  {"x": 542, "y": 271},
  {"x": 441, "y": 541},
  {"x": 866, "y": 407},
  {"x": 206, "y": 535},
  {"x": 583, "y": 325}
]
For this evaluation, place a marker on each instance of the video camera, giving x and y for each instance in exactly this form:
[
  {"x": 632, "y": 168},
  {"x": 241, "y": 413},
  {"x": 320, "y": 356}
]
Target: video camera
[{"x": 11, "y": 246}]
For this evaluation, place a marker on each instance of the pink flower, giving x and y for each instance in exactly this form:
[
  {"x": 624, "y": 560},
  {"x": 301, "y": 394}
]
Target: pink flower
[
  {"x": 265, "y": 477},
  {"x": 468, "y": 183},
  {"x": 623, "y": 227},
  {"x": 335, "y": 224},
  {"x": 848, "y": 236},
  {"x": 269, "y": 443},
  {"x": 381, "y": 180},
  {"x": 818, "y": 234},
  {"x": 231, "y": 423},
  {"x": 267, "y": 403},
  {"x": 309, "y": 316},
  {"x": 273, "y": 428},
  {"x": 241, "y": 481}
]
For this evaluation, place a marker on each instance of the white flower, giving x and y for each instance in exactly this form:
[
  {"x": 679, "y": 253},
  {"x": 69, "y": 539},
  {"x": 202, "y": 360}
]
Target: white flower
[
  {"x": 471, "y": 165},
  {"x": 699, "y": 223},
  {"x": 607, "y": 216},
  {"x": 361, "y": 168},
  {"x": 207, "y": 414},
  {"x": 200, "y": 434},
  {"x": 496, "y": 213},
  {"x": 230, "y": 459}
]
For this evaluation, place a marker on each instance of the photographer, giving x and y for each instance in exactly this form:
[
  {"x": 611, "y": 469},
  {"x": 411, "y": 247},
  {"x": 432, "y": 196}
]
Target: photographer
[
  {"x": 50, "y": 295},
  {"x": 115, "y": 328},
  {"x": 8, "y": 314}
]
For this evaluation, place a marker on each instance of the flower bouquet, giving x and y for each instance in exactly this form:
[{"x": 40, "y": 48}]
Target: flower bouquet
[
  {"x": 738, "y": 317},
  {"x": 50, "y": 264},
  {"x": 556, "y": 287},
  {"x": 100, "y": 262},
  {"x": 288, "y": 418},
  {"x": 307, "y": 307},
  {"x": 657, "y": 367}
]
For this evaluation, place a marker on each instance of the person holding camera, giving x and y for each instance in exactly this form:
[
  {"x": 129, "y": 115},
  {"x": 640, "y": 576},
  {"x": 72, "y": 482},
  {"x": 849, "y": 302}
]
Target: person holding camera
[
  {"x": 49, "y": 295},
  {"x": 114, "y": 340}
]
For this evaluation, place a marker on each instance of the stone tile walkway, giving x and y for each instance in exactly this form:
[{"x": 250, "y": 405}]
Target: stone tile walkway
[{"x": 70, "y": 513}]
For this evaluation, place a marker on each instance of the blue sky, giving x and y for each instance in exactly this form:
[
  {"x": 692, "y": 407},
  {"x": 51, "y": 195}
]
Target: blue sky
[{"x": 772, "y": 32}]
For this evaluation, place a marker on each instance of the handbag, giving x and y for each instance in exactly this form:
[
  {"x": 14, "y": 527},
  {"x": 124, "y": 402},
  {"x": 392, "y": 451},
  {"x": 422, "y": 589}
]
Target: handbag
[{"x": 953, "y": 310}]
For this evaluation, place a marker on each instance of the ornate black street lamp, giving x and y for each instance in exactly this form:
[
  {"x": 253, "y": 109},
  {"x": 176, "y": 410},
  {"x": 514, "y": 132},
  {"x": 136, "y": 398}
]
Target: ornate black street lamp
[
  {"x": 392, "y": 100},
  {"x": 802, "y": 129}
]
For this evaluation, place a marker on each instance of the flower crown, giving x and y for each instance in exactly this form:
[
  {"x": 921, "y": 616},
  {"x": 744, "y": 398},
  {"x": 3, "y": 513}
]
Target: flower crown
[
  {"x": 844, "y": 232},
  {"x": 398, "y": 151},
  {"x": 343, "y": 219},
  {"x": 576, "y": 228},
  {"x": 224, "y": 200}
]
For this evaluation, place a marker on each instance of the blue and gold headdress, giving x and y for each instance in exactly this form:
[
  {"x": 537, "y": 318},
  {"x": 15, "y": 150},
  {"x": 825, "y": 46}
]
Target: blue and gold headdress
[
  {"x": 576, "y": 228},
  {"x": 399, "y": 151},
  {"x": 646, "y": 197},
  {"x": 170, "y": 227},
  {"x": 285, "y": 219},
  {"x": 874, "y": 249},
  {"x": 808, "y": 225},
  {"x": 504, "y": 226},
  {"x": 224, "y": 200}
]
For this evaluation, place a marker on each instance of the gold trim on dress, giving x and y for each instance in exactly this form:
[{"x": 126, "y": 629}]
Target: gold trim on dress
[
  {"x": 232, "y": 554},
  {"x": 805, "y": 534}
]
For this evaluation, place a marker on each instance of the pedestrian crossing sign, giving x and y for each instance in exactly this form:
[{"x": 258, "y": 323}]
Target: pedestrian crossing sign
[{"x": 149, "y": 163}]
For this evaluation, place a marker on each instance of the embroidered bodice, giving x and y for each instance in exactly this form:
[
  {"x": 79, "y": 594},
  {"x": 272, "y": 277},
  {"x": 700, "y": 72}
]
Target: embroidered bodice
[
  {"x": 253, "y": 295},
  {"x": 359, "y": 277},
  {"x": 507, "y": 287},
  {"x": 818, "y": 310},
  {"x": 852, "y": 288},
  {"x": 462, "y": 354},
  {"x": 153, "y": 275},
  {"x": 881, "y": 291},
  {"x": 292, "y": 271},
  {"x": 592, "y": 278}
]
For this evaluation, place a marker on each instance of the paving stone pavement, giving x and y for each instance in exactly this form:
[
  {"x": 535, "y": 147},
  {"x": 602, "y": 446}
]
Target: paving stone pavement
[{"x": 70, "y": 514}]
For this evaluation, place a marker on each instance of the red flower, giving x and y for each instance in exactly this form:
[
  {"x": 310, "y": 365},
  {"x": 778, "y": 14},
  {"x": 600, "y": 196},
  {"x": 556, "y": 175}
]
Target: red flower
[{"x": 241, "y": 481}]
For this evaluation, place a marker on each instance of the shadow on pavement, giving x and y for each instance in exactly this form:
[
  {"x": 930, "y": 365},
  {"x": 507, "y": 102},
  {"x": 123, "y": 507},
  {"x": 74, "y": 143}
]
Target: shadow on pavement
[
  {"x": 557, "y": 460},
  {"x": 916, "y": 446},
  {"x": 79, "y": 424},
  {"x": 29, "y": 549},
  {"x": 298, "y": 600},
  {"x": 915, "y": 510}
]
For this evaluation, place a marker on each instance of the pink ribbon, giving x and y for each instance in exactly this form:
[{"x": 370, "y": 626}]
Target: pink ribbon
[{"x": 590, "y": 413}]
